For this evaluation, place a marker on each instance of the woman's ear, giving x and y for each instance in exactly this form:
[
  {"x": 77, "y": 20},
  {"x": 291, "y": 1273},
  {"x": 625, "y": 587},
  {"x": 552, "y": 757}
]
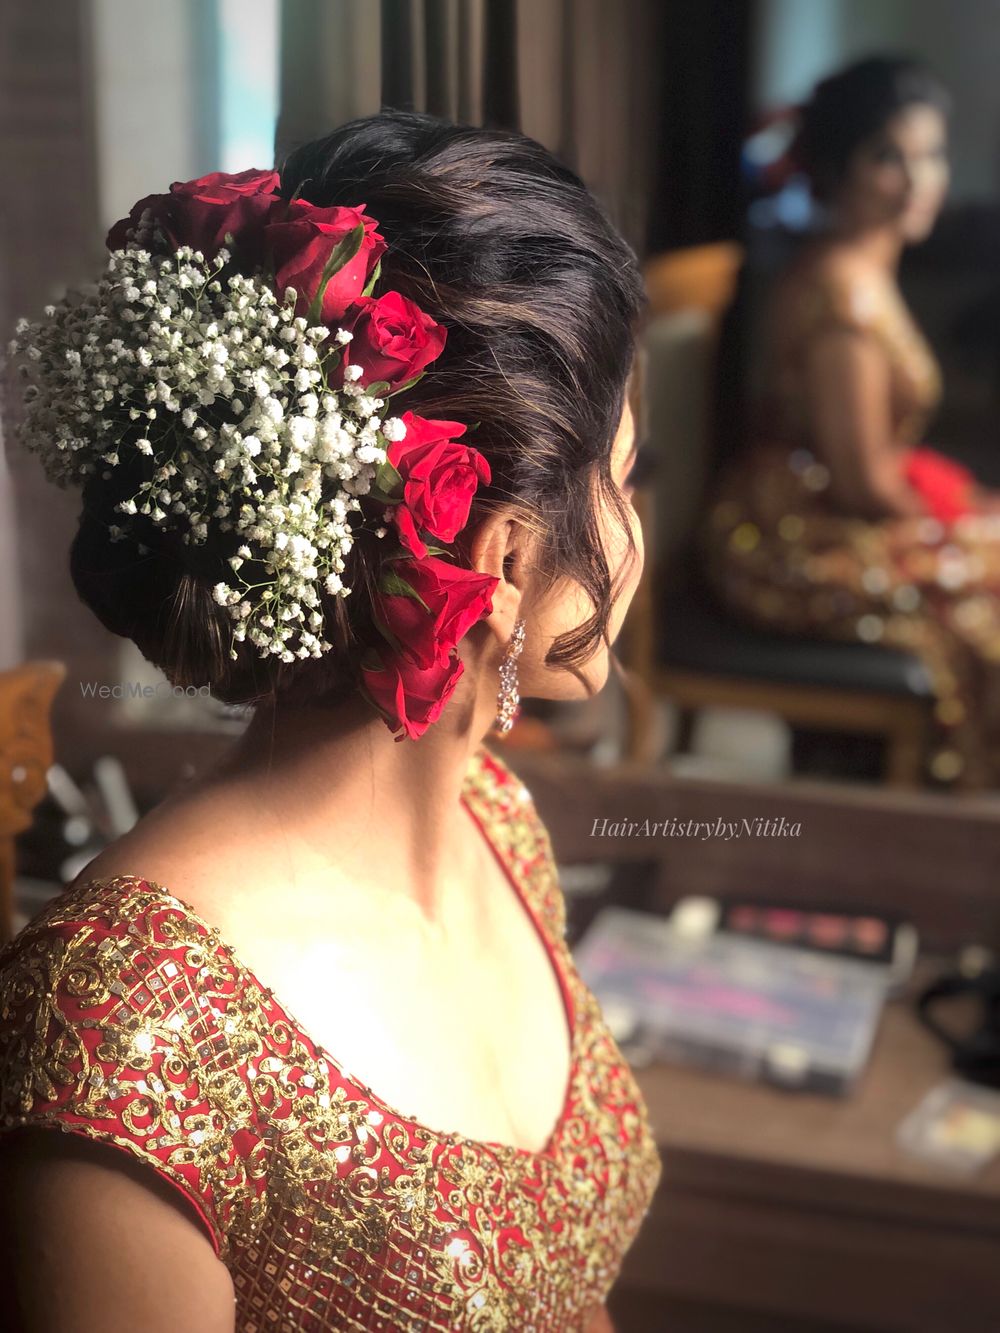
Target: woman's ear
[
  {"x": 495, "y": 547},
  {"x": 498, "y": 547}
]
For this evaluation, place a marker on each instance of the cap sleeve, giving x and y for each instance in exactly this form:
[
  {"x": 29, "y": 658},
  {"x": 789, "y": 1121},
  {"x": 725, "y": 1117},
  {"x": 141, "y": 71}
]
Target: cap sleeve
[
  {"x": 515, "y": 824},
  {"x": 116, "y": 1023}
]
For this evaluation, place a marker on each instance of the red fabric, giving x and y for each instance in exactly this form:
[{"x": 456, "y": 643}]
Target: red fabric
[
  {"x": 126, "y": 1018},
  {"x": 946, "y": 486}
]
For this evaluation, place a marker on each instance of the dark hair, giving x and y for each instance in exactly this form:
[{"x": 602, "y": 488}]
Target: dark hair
[
  {"x": 850, "y": 106},
  {"x": 502, "y": 244}
]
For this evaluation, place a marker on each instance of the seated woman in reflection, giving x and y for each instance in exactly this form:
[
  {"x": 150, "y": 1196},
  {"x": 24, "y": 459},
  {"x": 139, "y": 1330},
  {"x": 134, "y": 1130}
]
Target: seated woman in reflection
[
  {"x": 396, "y": 368},
  {"x": 837, "y": 519}
]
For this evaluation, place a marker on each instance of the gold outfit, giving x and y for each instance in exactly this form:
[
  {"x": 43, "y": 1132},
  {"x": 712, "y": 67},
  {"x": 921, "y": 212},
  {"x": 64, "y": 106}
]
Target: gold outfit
[{"x": 782, "y": 553}]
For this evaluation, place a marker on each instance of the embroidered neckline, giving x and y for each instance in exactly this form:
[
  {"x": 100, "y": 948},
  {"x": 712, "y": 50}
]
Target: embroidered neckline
[{"x": 508, "y": 1152}]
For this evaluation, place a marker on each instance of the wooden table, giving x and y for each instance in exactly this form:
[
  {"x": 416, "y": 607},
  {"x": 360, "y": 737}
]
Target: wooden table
[
  {"x": 781, "y": 1212},
  {"x": 803, "y": 1209}
]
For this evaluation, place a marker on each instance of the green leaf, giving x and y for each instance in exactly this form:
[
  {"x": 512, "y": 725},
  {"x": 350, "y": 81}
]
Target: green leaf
[
  {"x": 342, "y": 254},
  {"x": 409, "y": 384},
  {"x": 370, "y": 284},
  {"x": 388, "y": 479},
  {"x": 377, "y": 388},
  {"x": 395, "y": 585},
  {"x": 387, "y": 634}
]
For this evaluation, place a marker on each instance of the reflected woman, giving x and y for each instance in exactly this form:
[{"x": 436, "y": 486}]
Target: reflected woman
[{"x": 837, "y": 521}]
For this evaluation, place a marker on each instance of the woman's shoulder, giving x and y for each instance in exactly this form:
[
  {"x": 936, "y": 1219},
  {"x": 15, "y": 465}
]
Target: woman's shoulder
[
  {"x": 113, "y": 1012},
  {"x": 84, "y": 917},
  {"x": 829, "y": 285}
]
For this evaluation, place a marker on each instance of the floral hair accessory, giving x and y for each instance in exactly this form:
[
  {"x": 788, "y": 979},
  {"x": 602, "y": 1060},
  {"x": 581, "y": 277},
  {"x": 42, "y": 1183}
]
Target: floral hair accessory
[{"x": 235, "y": 363}]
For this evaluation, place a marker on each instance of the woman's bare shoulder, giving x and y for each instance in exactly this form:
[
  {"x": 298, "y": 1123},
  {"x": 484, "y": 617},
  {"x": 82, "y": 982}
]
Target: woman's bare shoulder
[
  {"x": 828, "y": 287},
  {"x": 178, "y": 847},
  {"x": 825, "y": 266},
  {"x": 221, "y": 857}
]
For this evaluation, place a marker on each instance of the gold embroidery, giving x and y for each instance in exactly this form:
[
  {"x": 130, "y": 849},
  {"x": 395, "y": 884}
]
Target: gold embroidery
[
  {"x": 140, "y": 1028},
  {"x": 868, "y": 307}
]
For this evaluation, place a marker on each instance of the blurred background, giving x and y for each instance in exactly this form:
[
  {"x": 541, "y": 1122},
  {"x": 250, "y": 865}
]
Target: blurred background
[{"x": 829, "y": 772}]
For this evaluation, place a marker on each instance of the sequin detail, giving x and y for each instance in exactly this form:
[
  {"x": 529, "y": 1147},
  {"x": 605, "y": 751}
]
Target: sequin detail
[{"x": 126, "y": 1018}]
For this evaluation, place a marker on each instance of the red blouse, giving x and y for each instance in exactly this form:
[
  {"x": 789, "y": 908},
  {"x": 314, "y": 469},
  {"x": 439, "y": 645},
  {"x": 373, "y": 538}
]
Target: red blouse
[{"x": 126, "y": 1018}]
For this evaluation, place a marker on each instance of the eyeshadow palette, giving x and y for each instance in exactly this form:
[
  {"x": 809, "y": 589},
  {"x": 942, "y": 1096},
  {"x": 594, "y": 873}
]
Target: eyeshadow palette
[
  {"x": 736, "y": 1005},
  {"x": 830, "y": 930}
]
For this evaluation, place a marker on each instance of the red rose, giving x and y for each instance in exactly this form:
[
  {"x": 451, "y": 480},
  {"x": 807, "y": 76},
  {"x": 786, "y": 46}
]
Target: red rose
[
  {"x": 407, "y": 531},
  {"x": 407, "y": 696},
  {"x": 200, "y": 212},
  {"x": 301, "y": 245},
  {"x": 250, "y": 181},
  {"x": 440, "y": 478},
  {"x": 393, "y": 339},
  {"x": 117, "y": 237},
  {"x": 453, "y": 600}
]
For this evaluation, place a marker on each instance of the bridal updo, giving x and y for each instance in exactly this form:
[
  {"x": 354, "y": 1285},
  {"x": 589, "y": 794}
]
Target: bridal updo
[
  {"x": 506, "y": 248},
  {"x": 849, "y": 107}
]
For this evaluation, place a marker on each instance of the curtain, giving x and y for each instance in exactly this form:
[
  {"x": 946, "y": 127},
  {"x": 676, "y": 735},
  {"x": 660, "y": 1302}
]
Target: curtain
[
  {"x": 11, "y": 645},
  {"x": 49, "y": 238},
  {"x": 704, "y": 70},
  {"x": 578, "y": 75}
]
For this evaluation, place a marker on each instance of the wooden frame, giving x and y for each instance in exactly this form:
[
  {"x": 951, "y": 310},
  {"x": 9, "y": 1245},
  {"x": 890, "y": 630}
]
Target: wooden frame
[
  {"x": 26, "y": 695},
  {"x": 902, "y": 722}
]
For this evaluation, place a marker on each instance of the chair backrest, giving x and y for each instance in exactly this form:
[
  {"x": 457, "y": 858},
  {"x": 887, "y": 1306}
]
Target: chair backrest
[
  {"x": 689, "y": 293},
  {"x": 26, "y": 694},
  {"x": 678, "y": 361},
  {"x": 699, "y": 277}
]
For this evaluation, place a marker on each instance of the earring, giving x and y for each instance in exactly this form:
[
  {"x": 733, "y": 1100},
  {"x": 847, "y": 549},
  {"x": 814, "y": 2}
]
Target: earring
[{"x": 507, "y": 696}]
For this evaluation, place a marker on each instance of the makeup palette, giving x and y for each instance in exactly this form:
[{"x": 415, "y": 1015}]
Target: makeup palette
[
  {"x": 730, "y": 1003},
  {"x": 833, "y": 930}
]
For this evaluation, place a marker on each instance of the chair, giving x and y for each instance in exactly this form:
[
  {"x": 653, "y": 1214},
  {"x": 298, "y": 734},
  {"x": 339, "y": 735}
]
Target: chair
[
  {"x": 26, "y": 694},
  {"x": 681, "y": 642}
]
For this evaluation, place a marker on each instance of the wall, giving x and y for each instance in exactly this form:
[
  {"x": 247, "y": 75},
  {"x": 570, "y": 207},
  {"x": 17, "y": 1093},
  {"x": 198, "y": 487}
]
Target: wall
[{"x": 798, "y": 41}]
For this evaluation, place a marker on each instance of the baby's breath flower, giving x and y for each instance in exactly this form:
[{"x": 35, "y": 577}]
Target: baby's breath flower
[
  {"x": 393, "y": 429},
  {"x": 188, "y": 378}
]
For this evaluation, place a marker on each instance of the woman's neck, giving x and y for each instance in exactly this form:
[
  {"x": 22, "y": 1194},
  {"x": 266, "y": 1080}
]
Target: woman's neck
[
  {"x": 880, "y": 246},
  {"x": 340, "y": 792}
]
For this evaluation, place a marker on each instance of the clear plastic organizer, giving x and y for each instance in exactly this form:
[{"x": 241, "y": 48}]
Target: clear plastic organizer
[{"x": 743, "y": 1007}]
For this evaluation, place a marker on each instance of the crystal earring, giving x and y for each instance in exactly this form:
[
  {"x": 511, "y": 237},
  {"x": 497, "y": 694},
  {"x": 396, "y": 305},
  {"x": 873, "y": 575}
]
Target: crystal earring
[{"x": 507, "y": 696}]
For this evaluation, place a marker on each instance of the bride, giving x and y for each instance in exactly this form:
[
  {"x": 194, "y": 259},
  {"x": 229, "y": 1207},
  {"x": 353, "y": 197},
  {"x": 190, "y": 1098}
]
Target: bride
[{"x": 354, "y": 445}]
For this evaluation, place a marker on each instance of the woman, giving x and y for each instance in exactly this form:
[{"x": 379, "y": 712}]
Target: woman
[
  {"x": 836, "y": 520},
  {"x": 236, "y": 1160}
]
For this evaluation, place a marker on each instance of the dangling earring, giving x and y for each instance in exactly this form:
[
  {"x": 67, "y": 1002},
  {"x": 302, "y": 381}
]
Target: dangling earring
[{"x": 508, "y": 697}]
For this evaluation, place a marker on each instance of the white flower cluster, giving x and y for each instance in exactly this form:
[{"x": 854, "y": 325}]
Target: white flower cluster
[{"x": 224, "y": 392}]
